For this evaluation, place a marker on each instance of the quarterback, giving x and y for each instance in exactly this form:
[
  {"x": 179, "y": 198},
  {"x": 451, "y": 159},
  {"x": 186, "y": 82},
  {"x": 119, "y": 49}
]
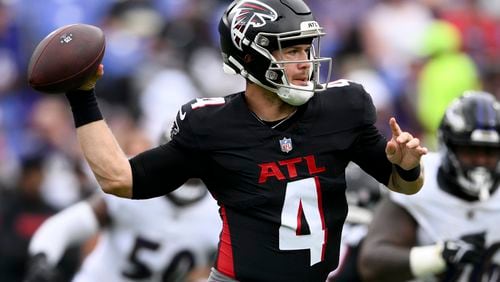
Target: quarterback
[{"x": 273, "y": 156}]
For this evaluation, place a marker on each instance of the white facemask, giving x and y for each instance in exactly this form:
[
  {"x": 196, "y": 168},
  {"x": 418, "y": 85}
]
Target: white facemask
[
  {"x": 298, "y": 95},
  {"x": 477, "y": 181}
]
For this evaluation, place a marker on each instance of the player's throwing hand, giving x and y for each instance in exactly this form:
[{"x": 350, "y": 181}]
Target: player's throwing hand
[{"x": 91, "y": 82}]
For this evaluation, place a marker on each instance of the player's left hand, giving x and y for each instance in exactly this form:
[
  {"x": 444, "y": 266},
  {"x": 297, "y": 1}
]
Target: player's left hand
[{"x": 403, "y": 149}]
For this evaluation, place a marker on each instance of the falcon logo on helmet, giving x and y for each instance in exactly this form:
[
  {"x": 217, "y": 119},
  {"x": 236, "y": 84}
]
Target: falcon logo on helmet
[{"x": 249, "y": 13}]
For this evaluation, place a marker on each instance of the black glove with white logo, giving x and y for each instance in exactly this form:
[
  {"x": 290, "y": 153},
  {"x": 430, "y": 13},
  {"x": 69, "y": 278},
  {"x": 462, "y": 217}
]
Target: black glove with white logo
[{"x": 468, "y": 249}]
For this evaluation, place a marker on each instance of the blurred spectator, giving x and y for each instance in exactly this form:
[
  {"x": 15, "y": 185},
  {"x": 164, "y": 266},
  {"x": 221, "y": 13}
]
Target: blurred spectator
[
  {"x": 342, "y": 23},
  {"x": 130, "y": 28},
  {"x": 479, "y": 29},
  {"x": 8, "y": 161},
  {"x": 13, "y": 106},
  {"x": 175, "y": 69},
  {"x": 38, "y": 18},
  {"x": 22, "y": 211},
  {"x": 491, "y": 7},
  {"x": 446, "y": 73},
  {"x": 207, "y": 60},
  {"x": 358, "y": 69},
  {"x": 10, "y": 53},
  {"x": 392, "y": 33},
  {"x": 163, "y": 97},
  {"x": 52, "y": 130},
  {"x": 163, "y": 81}
]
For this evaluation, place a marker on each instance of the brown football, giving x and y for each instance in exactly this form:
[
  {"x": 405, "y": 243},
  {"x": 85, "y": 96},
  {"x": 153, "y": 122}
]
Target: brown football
[{"x": 66, "y": 58}]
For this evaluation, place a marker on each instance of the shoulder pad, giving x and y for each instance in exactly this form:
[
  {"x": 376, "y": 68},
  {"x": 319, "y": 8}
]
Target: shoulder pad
[{"x": 193, "y": 113}]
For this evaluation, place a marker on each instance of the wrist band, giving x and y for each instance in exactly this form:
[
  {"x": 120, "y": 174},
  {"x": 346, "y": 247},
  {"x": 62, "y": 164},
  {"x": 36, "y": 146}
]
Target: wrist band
[
  {"x": 408, "y": 175},
  {"x": 84, "y": 106},
  {"x": 426, "y": 260}
]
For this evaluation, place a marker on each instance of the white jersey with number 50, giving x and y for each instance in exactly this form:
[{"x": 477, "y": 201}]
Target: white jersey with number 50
[{"x": 149, "y": 240}]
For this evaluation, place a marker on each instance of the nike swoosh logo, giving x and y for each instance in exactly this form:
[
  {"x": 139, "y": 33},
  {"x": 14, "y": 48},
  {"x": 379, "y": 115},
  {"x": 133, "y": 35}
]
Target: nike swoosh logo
[{"x": 181, "y": 114}]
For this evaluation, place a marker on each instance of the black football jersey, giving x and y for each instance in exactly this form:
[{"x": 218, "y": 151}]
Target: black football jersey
[{"x": 281, "y": 190}]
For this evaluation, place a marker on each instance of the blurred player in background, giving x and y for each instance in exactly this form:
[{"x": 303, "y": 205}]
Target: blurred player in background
[
  {"x": 22, "y": 210},
  {"x": 170, "y": 238},
  {"x": 450, "y": 230}
]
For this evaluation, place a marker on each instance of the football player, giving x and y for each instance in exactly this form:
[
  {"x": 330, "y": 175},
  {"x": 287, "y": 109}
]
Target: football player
[
  {"x": 171, "y": 238},
  {"x": 450, "y": 230},
  {"x": 161, "y": 239},
  {"x": 273, "y": 155}
]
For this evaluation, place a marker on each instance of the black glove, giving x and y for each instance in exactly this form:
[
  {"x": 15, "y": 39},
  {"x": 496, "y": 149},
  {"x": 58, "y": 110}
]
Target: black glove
[
  {"x": 469, "y": 249},
  {"x": 39, "y": 270}
]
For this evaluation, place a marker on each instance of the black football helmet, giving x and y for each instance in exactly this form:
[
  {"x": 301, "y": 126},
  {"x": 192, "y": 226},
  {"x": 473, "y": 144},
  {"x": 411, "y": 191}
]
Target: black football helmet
[
  {"x": 257, "y": 28},
  {"x": 472, "y": 120}
]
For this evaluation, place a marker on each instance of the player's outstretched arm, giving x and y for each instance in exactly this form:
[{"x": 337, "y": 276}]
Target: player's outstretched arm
[
  {"x": 389, "y": 251},
  {"x": 100, "y": 148},
  {"x": 404, "y": 152},
  {"x": 106, "y": 159}
]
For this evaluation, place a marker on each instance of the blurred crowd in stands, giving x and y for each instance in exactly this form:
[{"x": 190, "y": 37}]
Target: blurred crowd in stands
[{"x": 412, "y": 56}]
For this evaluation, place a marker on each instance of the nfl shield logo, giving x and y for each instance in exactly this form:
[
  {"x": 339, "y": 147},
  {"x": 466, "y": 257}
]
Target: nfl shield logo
[{"x": 286, "y": 145}]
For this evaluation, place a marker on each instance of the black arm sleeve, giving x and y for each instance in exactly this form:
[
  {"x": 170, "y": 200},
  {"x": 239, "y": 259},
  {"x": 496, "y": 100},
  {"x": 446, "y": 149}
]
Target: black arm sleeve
[
  {"x": 369, "y": 154},
  {"x": 163, "y": 169},
  {"x": 369, "y": 147}
]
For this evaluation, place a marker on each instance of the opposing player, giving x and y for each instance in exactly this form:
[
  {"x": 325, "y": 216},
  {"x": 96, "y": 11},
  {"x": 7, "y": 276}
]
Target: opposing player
[
  {"x": 273, "y": 156},
  {"x": 170, "y": 238},
  {"x": 151, "y": 240},
  {"x": 450, "y": 229}
]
